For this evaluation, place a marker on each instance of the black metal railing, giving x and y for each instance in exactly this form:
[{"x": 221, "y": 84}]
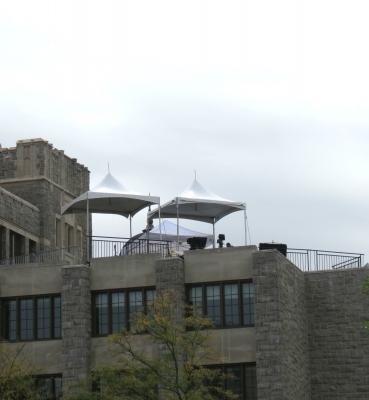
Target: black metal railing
[
  {"x": 319, "y": 260},
  {"x": 67, "y": 253},
  {"x": 105, "y": 246}
]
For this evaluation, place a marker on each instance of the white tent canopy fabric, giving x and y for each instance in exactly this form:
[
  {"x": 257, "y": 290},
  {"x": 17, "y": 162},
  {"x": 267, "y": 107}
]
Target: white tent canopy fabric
[
  {"x": 169, "y": 232},
  {"x": 109, "y": 197},
  {"x": 199, "y": 204}
]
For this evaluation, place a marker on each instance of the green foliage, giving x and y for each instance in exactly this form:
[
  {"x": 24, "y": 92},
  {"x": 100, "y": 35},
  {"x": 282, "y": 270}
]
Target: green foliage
[
  {"x": 17, "y": 374},
  {"x": 176, "y": 372}
]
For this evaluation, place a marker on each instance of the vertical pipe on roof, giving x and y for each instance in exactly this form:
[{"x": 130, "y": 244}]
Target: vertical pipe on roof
[
  {"x": 88, "y": 231},
  {"x": 177, "y": 224},
  {"x": 245, "y": 222},
  {"x": 159, "y": 220},
  {"x": 130, "y": 226},
  {"x": 213, "y": 233}
]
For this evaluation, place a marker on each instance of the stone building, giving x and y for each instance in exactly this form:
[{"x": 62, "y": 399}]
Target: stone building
[
  {"x": 35, "y": 181},
  {"x": 284, "y": 332}
]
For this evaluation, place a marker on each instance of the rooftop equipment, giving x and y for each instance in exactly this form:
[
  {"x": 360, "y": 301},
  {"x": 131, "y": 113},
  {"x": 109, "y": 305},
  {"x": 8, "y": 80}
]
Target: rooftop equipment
[
  {"x": 197, "y": 243},
  {"x": 282, "y": 248}
]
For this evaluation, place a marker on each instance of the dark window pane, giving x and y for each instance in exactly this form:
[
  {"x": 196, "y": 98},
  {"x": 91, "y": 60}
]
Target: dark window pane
[
  {"x": 135, "y": 303},
  {"x": 234, "y": 383},
  {"x": 213, "y": 304},
  {"x": 57, "y": 387},
  {"x": 250, "y": 382},
  {"x": 26, "y": 322},
  {"x": 248, "y": 303},
  {"x": 43, "y": 318},
  {"x": 10, "y": 316},
  {"x": 150, "y": 295},
  {"x": 57, "y": 317},
  {"x": 118, "y": 311},
  {"x": 195, "y": 296},
  {"x": 231, "y": 305},
  {"x": 101, "y": 314}
]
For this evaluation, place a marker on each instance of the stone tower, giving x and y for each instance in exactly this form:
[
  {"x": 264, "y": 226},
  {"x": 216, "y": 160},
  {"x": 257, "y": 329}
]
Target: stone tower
[{"x": 36, "y": 180}]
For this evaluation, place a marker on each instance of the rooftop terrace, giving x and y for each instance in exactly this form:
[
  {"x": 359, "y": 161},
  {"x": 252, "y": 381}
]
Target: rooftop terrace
[{"x": 102, "y": 247}]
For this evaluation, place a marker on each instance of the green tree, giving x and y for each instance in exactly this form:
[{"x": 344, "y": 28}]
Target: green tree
[
  {"x": 176, "y": 372},
  {"x": 17, "y": 374}
]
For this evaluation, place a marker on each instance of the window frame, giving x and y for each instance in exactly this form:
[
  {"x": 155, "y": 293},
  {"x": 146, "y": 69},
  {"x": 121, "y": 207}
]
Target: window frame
[
  {"x": 223, "y": 368},
  {"x": 53, "y": 396},
  {"x": 18, "y": 320},
  {"x": 222, "y": 284},
  {"x": 109, "y": 293}
]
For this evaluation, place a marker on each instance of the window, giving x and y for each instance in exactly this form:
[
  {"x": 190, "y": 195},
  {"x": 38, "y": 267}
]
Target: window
[
  {"x": 31, "y": 318},
  {"x": 241, "y": 380},
  {"x": 50, "y": 386},
  {"x": 228, "y": 304},
  {"x": 112, "y": 310}
]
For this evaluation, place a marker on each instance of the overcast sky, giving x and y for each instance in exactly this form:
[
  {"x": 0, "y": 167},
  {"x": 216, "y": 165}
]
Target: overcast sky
[{"x": 266, "y": 100}]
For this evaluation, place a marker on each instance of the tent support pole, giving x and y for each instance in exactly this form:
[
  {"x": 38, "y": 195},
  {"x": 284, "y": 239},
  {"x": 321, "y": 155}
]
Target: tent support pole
[
  {"x": 177, "y": 226},
  {"x": 159, "y": 221},
  {"x": 245, "y": 222},
  {"x": 213, "y": 233},
  {"x": 88, "y": 231},
  {"x": 130, "y": 226}
]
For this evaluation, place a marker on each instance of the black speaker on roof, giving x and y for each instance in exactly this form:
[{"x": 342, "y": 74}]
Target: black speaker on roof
[
  {"x": 197, "y": 243},
  {"x": 282, "y": 248}
]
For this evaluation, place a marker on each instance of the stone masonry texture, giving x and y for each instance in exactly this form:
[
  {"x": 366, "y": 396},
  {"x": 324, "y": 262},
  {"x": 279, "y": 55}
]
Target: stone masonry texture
[
  {"x": 338, "y": 342},
  {"x": 46, "y": 178},
  {"x": 76, "y": 323},
  {"x": 170, "y": 276},
  {"x": 281, "y": 325},
  {"x": 310, "y": 336},
  {"x": 19, "y": 212}
]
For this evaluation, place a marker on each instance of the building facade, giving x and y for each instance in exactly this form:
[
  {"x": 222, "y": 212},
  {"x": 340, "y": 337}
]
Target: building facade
[{"x": 283, "y": 333}]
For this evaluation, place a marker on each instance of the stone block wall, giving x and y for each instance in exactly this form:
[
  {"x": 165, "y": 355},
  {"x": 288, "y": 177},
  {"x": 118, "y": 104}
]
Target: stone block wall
[
  {"x": 46, "y": 178},
  {"x": 19, "y": 212},
  {"x": 8, "y": 165},
  {"x": 170, "y": 275},
  {"x": 281, "y": 326},
  {"x": 338, "y": 343},
  {"x": 46, "y": 197},
  {"x": 76, "y": 323}
]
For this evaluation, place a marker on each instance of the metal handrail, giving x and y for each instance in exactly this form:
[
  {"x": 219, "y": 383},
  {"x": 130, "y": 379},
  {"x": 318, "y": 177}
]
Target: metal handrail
[
  {"x": 108, "y": 246},
  {"x": 320, "y": 260},
  {"x": 54, "y": 255}
]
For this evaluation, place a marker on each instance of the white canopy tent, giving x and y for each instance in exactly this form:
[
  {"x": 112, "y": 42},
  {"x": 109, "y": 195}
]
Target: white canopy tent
[
  {"x": 110, "y": 197},
  {"x": 199, "y": 204},
  {"x": 167, "y": 231}
]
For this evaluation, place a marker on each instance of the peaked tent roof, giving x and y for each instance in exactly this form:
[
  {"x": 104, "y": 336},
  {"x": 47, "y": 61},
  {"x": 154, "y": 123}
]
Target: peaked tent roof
[
  {"x": 110, "y": 197},
  {"x": 199, "y": 204}
]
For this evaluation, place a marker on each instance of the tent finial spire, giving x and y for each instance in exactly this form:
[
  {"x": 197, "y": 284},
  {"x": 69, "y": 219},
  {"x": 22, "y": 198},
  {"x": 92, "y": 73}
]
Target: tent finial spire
[
  {"x": 108, "y": 168},
  {"x": 195, "y": 174}
]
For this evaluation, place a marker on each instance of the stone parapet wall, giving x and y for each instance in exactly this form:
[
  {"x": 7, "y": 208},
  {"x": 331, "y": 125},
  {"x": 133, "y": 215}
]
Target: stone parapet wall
[
  {"x": 76, "y": 323},
  {"x": 33, "y": 158},
  {"x": 19, "y": 212},
  {"x": 281, "y": 325},
  {"x": 338, "y": 342}
]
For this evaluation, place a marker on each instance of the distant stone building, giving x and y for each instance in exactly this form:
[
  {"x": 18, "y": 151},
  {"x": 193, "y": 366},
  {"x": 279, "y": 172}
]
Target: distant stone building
[
  {"x": 35, "y": 181},
  {"x": 284, "y": 333}
]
